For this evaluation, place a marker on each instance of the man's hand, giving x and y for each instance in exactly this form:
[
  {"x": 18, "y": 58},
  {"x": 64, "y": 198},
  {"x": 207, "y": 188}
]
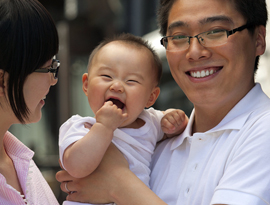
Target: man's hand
[{"x": 99, "y": 186}]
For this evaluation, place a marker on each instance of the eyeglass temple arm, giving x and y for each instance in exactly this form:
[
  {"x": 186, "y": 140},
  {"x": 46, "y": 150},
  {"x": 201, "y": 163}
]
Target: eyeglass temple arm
[
  {"x": 241, "y": 28},
  {"x": 161, "y": 41},
  {"x": 53, "y": 70}
]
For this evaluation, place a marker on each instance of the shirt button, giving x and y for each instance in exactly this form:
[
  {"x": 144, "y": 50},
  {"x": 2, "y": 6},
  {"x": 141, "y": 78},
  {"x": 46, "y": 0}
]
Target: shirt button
[
  {"x": 187, "y": 191},
  {"x": 195, "y": 167}
]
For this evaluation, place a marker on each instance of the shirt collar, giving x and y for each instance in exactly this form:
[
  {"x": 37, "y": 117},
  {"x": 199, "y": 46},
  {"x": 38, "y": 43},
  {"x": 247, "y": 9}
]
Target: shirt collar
[
  {"x": 15, "y": 147},
  {"x": 177, "y": 141},
  {"x": 239, "y": 114},
  {"x": 236, "y": 118}
]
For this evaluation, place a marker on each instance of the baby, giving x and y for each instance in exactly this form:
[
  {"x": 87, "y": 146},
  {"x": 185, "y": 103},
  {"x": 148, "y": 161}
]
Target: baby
[{"x": 122, "y": 80}]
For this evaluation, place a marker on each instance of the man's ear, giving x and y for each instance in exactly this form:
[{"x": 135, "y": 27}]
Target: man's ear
[
  {"x": 85, "y": 83},
  {"x": 260, "y": 40},
  {"x": 153, "y": 97}
]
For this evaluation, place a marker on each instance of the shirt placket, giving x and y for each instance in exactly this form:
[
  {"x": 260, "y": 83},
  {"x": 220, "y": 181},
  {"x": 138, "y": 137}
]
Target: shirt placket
[{"x": 198, "y": 148}]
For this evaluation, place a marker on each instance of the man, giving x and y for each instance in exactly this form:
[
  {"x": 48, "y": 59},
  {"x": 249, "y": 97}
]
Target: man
[
  {"x": 221, "y": 155},
  {"x": 212, "y": 47}
]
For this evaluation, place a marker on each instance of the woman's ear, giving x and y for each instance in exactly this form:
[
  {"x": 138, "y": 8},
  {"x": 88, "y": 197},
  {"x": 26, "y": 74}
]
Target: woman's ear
[
  {"x": 85, "y": 83},
  {"x": 153, "y": 97}
]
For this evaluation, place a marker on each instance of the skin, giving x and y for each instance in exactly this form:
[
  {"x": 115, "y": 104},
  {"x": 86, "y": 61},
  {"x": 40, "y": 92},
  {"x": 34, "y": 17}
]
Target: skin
[
  {"x": 126, "y": 75},
  {"x": 213, "y": 96},
  {"x": 35, "y": 89},
  {"x": 112, "y": 180},
  {"x": 122, "y": 74}
]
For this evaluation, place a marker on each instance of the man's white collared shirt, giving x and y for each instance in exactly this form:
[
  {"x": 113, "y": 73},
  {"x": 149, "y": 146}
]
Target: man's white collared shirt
[{"x": 229, "y": 164}]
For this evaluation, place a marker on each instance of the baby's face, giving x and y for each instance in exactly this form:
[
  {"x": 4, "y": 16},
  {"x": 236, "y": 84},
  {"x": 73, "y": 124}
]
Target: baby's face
[{"x": 123, "y": 74}]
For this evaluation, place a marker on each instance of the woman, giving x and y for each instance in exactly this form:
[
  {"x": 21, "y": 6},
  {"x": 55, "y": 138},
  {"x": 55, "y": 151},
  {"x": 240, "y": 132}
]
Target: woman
[{"x": 28, "y": 42}]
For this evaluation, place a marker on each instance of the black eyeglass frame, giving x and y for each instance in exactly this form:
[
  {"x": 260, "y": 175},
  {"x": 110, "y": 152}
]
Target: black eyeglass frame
[
  {"x": 54, "y": 68},
  {"x": 241, "y": 28}
]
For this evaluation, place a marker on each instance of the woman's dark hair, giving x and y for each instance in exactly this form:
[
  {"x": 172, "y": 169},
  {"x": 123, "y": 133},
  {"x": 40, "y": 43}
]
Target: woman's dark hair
[
  {"x": 136, "y": 41},
  {"x": 254, "y": 11},
  {"x": 28, "y": 39}
]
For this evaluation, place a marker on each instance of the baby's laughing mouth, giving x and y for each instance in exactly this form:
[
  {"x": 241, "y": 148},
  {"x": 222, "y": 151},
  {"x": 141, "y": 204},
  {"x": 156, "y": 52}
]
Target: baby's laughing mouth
[{"x": 117, "y": 102}]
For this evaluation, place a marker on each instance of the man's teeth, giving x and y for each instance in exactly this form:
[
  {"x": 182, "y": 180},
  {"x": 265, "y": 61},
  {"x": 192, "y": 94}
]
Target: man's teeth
[{"x": 203, "y": 73}]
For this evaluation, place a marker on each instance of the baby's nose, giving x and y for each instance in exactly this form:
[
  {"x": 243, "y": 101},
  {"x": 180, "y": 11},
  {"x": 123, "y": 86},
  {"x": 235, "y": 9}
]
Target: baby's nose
[{"x": 117, "y": 87}]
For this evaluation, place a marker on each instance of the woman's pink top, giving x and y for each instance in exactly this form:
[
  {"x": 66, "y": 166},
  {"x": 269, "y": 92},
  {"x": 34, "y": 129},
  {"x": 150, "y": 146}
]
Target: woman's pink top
[{"x": 36, "y": 190}]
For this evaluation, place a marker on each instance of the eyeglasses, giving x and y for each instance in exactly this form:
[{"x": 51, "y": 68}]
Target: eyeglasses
[
  {"x": 52, "y": 69},
  {"x": 210, "y": 38}
]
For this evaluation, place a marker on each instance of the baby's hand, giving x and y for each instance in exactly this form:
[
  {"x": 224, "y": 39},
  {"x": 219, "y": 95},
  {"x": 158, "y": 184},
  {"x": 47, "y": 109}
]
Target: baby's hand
[
  {"x": 174, "y": 122},
  {"x": 110, "y": 115}
]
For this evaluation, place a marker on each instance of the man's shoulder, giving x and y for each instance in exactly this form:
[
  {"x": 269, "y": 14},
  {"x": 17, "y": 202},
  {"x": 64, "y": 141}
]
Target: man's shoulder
[{"x": 261, "y": 114}]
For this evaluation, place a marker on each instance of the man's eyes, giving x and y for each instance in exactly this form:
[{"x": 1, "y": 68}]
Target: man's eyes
[
  {"x": 178, "y": 37},
  {"x": 211, "y": 32},
  {"x": 216, "y": 31}
]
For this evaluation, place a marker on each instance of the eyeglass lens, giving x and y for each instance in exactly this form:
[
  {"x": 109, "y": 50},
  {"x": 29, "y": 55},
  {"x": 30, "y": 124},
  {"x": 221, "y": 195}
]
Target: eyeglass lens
[
  {"x": 207, "y": 39},
  {"x": 55, "y": 66},
  {"x": 52, "y": 69}
]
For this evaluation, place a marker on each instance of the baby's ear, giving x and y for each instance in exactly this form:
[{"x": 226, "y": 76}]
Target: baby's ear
[
  {"x": 85, "y": 83},
  {"x": 153, "y": 97}
]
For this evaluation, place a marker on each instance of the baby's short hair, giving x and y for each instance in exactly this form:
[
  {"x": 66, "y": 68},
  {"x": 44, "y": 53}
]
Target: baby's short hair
[{"x": 132, "y": 40}]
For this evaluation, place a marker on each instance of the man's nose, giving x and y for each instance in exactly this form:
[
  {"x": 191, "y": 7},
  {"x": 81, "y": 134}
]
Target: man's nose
[{"x": 196, "y": 50}]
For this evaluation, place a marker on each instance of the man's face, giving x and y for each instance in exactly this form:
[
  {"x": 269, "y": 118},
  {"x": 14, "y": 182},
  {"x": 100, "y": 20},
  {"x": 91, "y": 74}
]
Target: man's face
[{"x": 229, "y": 67}]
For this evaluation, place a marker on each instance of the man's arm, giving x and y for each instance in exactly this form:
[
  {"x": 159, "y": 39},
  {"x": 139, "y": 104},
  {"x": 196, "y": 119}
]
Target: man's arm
[{"x": 112, "y": 181}]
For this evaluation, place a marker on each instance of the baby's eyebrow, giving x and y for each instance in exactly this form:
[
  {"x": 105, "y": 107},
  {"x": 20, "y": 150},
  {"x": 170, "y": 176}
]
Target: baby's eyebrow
[
  {"x": 105, "y": 68},
  {"x": 138, "y": 75}
]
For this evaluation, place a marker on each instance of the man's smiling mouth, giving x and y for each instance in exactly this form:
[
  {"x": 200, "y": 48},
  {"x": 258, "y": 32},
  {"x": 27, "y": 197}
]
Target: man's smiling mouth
[{"x": 203, "y": 73}]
